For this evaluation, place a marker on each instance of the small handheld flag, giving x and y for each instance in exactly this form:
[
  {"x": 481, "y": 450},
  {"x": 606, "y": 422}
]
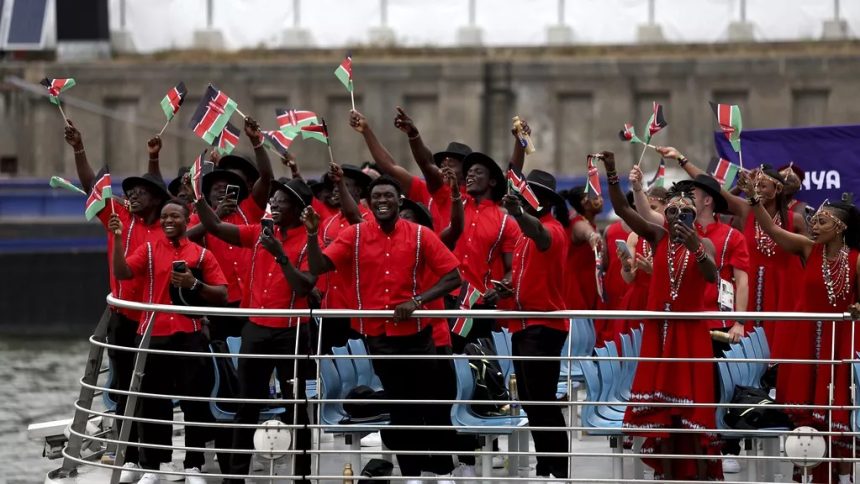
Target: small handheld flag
[
  {"x": 629, "y": 134},
  {"x": 171, "y": 102},
  {"x": 656, "y": 122},
  {"x": 292, "y": 120},
  {"x": 212, "y": 114},
  {"x": 318, "y": 132},
  {"x": 278, "y": 141},
  {"x": 592, "y": 188},
  {"x": 344, "y": 75},
  {"x": 724, "y": 172},
  {"x": 100, "y": 195},
  {"x": 227, "y": 141},
  {"x": 58, "y": 182},
  {"x": 599, "y": 274},
  {"x": 518, "y": 184},
  {"x": 471, "y": 295},
  {"x": 195, "y": 174},
  {"x": 55, "y": 87},
  {"x": 729, "y": 119},
  {"x": 659, "y": 175}
]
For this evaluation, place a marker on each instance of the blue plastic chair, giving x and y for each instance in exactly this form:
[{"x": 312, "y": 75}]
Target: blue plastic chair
[
  {"x": 599, "y": 425},
  {"x": 856, "y": 413},
  {"x": 363, "y": 366},
  {"x": 222, "y": 415},
  {"x": 628, "y": 367},
  {"x": 462, "y": 414},
  {"x": 765, "y": 346},
  {"x": 345, "y": 369}
]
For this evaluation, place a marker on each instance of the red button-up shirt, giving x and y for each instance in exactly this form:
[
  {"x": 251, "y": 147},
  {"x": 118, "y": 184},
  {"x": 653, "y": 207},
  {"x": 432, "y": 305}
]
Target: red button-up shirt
[
  {"x": 539, "y": 277},
  {"x": 730, "y": 253},
  {"x": 487, "y": 234},
  {"x": 337, "y": 286},
  {"x": 234, "y": 261},
  {"x": 267, "y": 285},
  {"x": 438, "y": 202},
  {"x": 388, "y": 269},
  {"x": 152, "y": 265},
  {"x": 135, "y": 232}
]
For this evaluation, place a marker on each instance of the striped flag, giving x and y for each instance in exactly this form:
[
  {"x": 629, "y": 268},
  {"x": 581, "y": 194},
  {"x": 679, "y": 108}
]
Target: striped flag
[
  {"x": 729, "y": 119},
  {"x": 267, "y": 215},
  {"x": 174, "y": 98},
  {"x": 629, "y": 134},
  {"x": 318, "y": 132},
  {"x": 660, "y": 176},
  {"x": 212, "y": 114},
  {"x": 294, "y": 119},
  {"x": 593, "y": 185},
  {"x": 196, "y": 175},
  {"x": 656, "y": 122},
  {"x": 724, "y": 171},
  {"x": 344, "y": 72},
  {"x": 471, "y": 295},
  {"x": 100, "y": 194},
  {"x": 59, "y": 182},
  {"x": 278, "y": 141},
  {"x": 518, "y": 184},
  {"x": 227, "y": 141},
  {"x": 56, "y": 86}
]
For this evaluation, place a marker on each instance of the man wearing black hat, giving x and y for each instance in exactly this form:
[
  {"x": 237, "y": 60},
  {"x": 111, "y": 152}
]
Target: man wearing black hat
[
  {"x": 279, "y": 280},
  {"x": 245, "y": 204},
  {"x": 538, "y": 285},
  {"x": 139, "y": 215},
  {"x": 432, "y": 191}
]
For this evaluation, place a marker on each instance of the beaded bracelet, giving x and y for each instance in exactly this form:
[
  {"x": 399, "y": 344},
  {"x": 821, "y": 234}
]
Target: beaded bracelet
[
  {"x": 682, "y": 160},
  {"x": 612, "y": 179},
  {"x": 701, "y": 255},
  {"x": 413, "y": 138},
  {"x": 80, "y": 151}
]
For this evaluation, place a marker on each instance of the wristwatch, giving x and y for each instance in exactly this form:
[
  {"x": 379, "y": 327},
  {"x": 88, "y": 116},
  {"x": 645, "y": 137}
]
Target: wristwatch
[
  {"x": 418, "y": 300},
  {"x": 281, "y": 260}
]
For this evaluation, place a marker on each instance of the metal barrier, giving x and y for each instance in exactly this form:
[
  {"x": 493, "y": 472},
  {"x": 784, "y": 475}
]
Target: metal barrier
[{"x": 89, "y": 387}]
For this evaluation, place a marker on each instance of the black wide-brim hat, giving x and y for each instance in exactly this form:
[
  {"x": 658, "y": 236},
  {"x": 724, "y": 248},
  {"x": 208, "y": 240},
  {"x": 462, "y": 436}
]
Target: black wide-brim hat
[
  {"x": 354, "y": 172},
  {"x": 295, "y": 188},
  {"x": 153, "y": 183},
  {"x": 421, "y": 212},
  {"x": 458, "y": 151},
  {"x": 228, "y": 176},
  {"x": 544, "y": 186},
  {"x": 495, "y": 171},
  {"x": 174, "y": 186},
  {"x": 712, "y": 187},
  {"x": 241, "y": 163}
]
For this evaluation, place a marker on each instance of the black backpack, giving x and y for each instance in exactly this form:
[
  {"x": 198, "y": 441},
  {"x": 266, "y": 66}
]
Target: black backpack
[
  {"x": 489, "y": 379},
  {"x": 752, "y": 418}
]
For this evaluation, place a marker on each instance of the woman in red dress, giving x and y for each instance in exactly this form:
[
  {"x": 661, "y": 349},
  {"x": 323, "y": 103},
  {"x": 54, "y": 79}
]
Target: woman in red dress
[
  {"x": 683, "y": 266},
  {"x": 581, "y": 287},
  {"x": 829, "y": 284}
]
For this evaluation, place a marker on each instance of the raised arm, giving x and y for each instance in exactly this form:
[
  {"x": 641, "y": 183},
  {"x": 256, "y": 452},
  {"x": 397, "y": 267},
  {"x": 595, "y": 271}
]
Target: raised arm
[
  {"x": 529, "y": 225},
  {"x": 796, "y": 244},
  {"x": 518, "y": 156},
  {"x": 420, "y": 152},
  {"x": 212, "y": 223},
  {"x": 260, "y": 191},
  {"x": 153, "y": 146},
  {"x": 348, "y": 205},
  {"x": 643, "y": 205},
  {"x": 85, "y": 171},
  {"x": 289, "y": 160},
  {"x": 651, "y": 232},
  {"x": 318, "y": 262},
  {"x": 454, "y": 230},
  {"x": 383, "y": 159}
]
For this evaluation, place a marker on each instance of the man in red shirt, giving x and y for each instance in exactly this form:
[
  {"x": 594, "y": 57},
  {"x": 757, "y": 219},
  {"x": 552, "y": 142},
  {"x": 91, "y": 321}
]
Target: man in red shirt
[
  {"x": 140, "y": 223},
  {"x": 390, "y": 259},
  {"x": 156, "y": 264},
  {"x": 538, "y": 285},
  {"x": 278, "y": 279}
]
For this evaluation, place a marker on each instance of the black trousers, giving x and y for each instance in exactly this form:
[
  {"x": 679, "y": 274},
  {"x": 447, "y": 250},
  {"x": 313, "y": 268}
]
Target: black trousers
[
  {"x": 122, "y": 332},
  {"x": 413, "y": 379},
  {"x": 223, "y": 327},
  {"x": 538, "y": 381},
  {"x": 254, "y": 376},
  {"x": 448, "y": 381},
  {"x": 184, "y": 376}
]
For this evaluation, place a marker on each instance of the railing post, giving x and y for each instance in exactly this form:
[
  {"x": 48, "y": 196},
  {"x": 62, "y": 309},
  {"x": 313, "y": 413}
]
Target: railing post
[
  {"x": 85, "y": 397},
  {"x": 571, "y": 414},
  {"x": 131, "y": 402}
]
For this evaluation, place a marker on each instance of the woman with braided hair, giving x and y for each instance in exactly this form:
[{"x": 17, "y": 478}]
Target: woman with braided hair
[
  {"x": 829, "y": 284},
  {"x": 683, "y": 266}
]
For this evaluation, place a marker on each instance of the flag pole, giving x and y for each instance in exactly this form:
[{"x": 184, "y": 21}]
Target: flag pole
[
  {"x": 645, "y": 147},
  {"x": 240, "y": 113},
  {"x": 162, "y": 129},
  {"x": 352, "y": 97},
  {"x": 60, "y": 107}
]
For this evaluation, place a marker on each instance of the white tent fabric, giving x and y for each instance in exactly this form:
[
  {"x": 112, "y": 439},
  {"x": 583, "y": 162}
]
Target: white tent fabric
[{"x": 169, "y": 24}]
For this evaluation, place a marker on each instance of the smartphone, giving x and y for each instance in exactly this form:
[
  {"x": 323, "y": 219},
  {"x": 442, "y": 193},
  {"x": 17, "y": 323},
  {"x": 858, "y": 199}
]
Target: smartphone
[
  {"x": 687, "y": 218},
  {"x": 179, "y": 266},
  {"x": 232, "y": 193},
  {"x": 208, "y": 167},
  {"x": 499, "y": 285},
  {"x": 268, "y": 223},
  {"x": 622, "y": 246}
]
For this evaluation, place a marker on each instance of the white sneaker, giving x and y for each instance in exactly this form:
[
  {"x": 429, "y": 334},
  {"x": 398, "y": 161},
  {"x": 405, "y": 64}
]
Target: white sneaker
[
  {"x": 844, "y": 478},
  {"x": 148, "y": 478},
  {"x": 731, "y": 466},
  {"x": 372, "y": 440},
  {"x": 464, "y": 470},
  {"x": 171, "y": 467},
  {"x": 194, "y": 476},
  {"x": 130, "y": 473},
  {"x": 445, "y": 479}
]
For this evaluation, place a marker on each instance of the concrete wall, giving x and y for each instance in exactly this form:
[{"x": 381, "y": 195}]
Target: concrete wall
[{"x": 576, "y": 99}]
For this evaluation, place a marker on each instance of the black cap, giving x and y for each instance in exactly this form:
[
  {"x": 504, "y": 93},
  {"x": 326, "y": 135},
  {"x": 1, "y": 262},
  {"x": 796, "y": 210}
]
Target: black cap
[
  {"x": 455, "y": 150},
  {"x": 155, "y": 185},
  {"x": 712, "y": 187},
  {"x": 241, "y": 163},
  {"x": 495, "y": 171},
  {"x": 295, "y": 188}
]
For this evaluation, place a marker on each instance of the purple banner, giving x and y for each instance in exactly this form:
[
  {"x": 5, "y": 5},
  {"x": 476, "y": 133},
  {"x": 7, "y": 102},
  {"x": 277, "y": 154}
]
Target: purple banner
[{"x": 830, "y": 156}]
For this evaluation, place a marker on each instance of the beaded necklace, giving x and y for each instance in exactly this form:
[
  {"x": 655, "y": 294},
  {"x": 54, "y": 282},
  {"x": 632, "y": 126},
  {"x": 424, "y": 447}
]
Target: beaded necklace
[
  {"x": 763, "y": 242},
  {"x": 837, "y": 275},
  {"x": 677, "y": 256}
]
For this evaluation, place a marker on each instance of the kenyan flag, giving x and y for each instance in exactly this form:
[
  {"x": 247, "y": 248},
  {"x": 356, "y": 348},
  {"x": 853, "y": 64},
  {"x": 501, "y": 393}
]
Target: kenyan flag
[
  {"x": 227, "y": 141},
  {"x": 196, "y": 175},
  {"x": 56, "y": 86},
  {"x": 729, "y": 119},
  {"x": 518, "y": 184},
  {"x": 629, "y": 134},
  {"x": 174, "y": 98},
  {"x": 318, "y": 132},
  {"x": 293, "y": 119},
  {"x": 724, "y": 171},
  {"x": 471, "y": 295},
  {"x": 212, "y": 114},
  {"x": 344, "y": 72},
  {"x": 99, "y": 196},
  {"x": 656, "y": 122},
  {"x": 659, "y": 176},
  {"x": 278, "y": 141},
  {"x": 592, "y": 188}
]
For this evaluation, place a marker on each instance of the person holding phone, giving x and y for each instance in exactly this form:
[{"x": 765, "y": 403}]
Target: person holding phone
[
  {"x": 238, "y": 193},
  {"x": 160, "y": 265},
  {"x": 279, "y": 280},
  {"x": 683, "y": 266}
]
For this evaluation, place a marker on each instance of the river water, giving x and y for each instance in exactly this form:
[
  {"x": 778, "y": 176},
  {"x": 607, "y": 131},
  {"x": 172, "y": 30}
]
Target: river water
[{"x": 38, "y": 382}]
